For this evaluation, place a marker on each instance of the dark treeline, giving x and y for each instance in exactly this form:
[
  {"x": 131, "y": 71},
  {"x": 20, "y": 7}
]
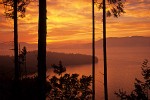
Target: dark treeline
[{"x": 6, "y": 62}]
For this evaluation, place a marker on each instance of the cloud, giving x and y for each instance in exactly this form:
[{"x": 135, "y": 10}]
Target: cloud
[{"x": 71, "y": 21}]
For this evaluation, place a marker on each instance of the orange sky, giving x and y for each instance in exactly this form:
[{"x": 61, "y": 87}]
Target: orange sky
[{"x": 70, "y": 20}]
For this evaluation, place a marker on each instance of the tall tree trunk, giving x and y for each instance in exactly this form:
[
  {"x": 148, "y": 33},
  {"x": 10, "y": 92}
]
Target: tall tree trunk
[
  {"x": 16, "y": 87},
  {"x": 93, "y": 50},
  {"x": 16, "y": 42},
  {"x": 105, "y": 51},
  {"x": 42, "y": 30}
]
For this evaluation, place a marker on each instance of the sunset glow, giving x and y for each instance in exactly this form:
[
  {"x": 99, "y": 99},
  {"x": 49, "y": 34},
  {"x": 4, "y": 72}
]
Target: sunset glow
[{"x": 71, "y": 21}]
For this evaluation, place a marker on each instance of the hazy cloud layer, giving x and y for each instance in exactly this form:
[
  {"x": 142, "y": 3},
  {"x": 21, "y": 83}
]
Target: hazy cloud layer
[{"x": 70, "y": 20}]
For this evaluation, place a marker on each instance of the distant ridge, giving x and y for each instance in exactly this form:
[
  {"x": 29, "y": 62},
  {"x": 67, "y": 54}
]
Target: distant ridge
[{"x": 133, "y": 41}]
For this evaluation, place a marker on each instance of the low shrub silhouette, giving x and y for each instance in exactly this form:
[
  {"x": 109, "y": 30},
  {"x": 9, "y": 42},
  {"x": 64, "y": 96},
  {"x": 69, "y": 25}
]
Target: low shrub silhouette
[
  {"x": 69, "y": 86},
  {"x": 141, "y": 88},
  {"x": 62, "y": 86}
]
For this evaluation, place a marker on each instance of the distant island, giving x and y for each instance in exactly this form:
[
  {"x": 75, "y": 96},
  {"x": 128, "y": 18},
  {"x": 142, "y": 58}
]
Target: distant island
[
  {"x": 7, "y": 62},
  {"x": 66, "y": 58}
]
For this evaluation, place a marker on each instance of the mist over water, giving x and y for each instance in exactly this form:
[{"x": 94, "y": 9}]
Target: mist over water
[{"x": 124, "y": 65}]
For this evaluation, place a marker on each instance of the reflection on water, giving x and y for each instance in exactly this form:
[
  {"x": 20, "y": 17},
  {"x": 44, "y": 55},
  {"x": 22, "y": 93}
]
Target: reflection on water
[{"x": 123, "y": 66}]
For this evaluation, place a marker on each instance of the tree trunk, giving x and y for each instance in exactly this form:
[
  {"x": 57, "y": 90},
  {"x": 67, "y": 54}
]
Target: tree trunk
[
  {"x": 16, "y": 85},
  {"x": 42, "y": 49},
  {"x": 105, "y": 51},
  {"x": 16, "y": 42},
  {"x": 93, "y": 50}
]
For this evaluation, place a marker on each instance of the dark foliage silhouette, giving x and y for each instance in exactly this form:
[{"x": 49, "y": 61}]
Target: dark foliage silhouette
[
  {"x": 62, "y": 86},
  {"x": 69, "y": 86},
  {"x": 141, "y": 88},
  {"x": 59, "y": 69},
  {"x": 116, "y": 7},
  {"x": 22, "y": 62},
  {"x": 28, "y": 89}
]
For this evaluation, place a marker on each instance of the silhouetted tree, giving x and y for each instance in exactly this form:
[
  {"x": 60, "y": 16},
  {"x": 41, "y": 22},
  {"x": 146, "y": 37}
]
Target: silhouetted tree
[
  {"x": 141, "y": 88},
  {"x": 11, "y": 8},
  {"x": 22, "y": 61},
  {"x": 42, "y": 30},
  {"x": 115, "y": 9},
  {"x": 69, "y": 86},
  {"x": 59, "y": 69}
]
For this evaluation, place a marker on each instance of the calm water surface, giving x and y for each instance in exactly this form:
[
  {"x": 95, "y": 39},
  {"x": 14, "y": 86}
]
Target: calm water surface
[{"x": 123, "y": 67}]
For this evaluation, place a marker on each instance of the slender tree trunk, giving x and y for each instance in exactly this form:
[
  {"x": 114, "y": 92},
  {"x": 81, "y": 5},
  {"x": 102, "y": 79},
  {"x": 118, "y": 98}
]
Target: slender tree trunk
[
  {"x": 16, "y": 42},
  {"x": 42, "y": 49},
  {"x": 93, "y": 50},
  {"x": 16, "y": 87},
  {"x": 104, "y": 51}
]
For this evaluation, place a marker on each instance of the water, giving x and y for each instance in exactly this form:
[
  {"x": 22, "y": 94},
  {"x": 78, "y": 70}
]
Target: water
[{"x": 124, "y": 65}]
